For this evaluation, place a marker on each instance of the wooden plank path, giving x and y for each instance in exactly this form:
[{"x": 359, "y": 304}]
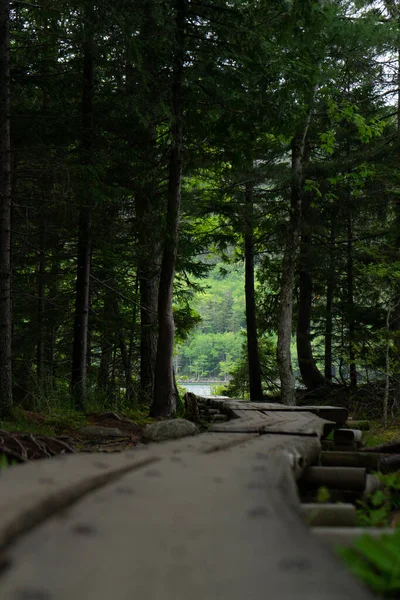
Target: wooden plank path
[{"x": 212, "y": 517}]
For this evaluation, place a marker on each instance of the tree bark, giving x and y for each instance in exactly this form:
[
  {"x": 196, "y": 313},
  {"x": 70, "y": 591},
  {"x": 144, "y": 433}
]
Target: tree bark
[
  {"x": 148, "y": 199},
  {"x": 252, "y": 338},
  {"x": 289, "y": 264},
  {"x": 312, "y": 378},
  {"x": 350, "y": 300},
  {"x": 149, "y": 250},
  {"x": 330, "y": 291},
  {"x": 5, "y": 216},
  {"x": 81, "y": 320},
  {"x": 41, "y": 305},
  {"x": 165, "y": 397}
]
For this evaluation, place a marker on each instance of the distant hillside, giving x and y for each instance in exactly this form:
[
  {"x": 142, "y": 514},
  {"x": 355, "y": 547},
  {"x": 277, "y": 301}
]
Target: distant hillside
[{"x": 216, "y": 343}]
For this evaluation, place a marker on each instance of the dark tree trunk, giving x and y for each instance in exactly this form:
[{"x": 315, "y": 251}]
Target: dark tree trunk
[
  {"x": 165, "y": 398},
  {"x": 79, "y": 352},
  {"x": 149, "y": 250},
  {"x": 252, "y": 338},
  {"x": 5, "y": 216},
  {"x": 330, "y": 291},
  {"x": 41, "y": 304},
  {"x": 149, "y": 201},
  {"x": 312, "y": 378},
  {"x": 350, "y": 300},
  {"x": 106, "y": 343},
  {"x": 289, "y": 262},
  {"x": 289, "y": 265},
  {"x": 287, "y": 280}
]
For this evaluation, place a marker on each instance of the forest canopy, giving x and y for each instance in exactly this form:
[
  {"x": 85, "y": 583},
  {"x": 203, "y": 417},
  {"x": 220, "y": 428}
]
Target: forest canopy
[{"x": 137, "y": 139}]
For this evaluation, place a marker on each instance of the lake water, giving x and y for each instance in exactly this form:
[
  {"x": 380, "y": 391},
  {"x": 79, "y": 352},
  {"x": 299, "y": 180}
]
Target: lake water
[{"x": 200, "y": 389}]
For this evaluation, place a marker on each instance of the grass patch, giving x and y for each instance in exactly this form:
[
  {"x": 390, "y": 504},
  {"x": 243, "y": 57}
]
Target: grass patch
[
  {"x": 52, "y": 423},
  {"x": 381, "y": 435}
]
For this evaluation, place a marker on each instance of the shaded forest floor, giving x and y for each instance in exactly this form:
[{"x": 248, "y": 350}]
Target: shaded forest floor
[{"x": 30, "y": 435}]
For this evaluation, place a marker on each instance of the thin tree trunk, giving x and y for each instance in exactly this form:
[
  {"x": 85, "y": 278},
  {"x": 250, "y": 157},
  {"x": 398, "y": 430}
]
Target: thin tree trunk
[
  {"x": 149, "y": 280},
  {"x": 387, "y": 368},
  {"x": 79, "y": 352},
  {"x": 149, "y": 212},
  {"x": 106, "y": 343},
  {"x": 330, "y": 291},
  {"x": 350, "y": 300},
  {"x": 252, "y": 338},
  {"x": 165, "y": 399},
  {"x": 5, "y": 216},
  {"x": 41, "y": 304},
  {"x": 289, "y": 264},
  {"x": 396, "y": 309},
  {"x": 312, "y": 378}
]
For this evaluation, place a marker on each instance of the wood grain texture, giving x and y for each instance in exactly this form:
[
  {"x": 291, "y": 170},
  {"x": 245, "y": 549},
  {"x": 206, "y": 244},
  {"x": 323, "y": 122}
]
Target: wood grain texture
[
  {"x": 279, "y": 422},
  {"x": 219, "y": 526}
]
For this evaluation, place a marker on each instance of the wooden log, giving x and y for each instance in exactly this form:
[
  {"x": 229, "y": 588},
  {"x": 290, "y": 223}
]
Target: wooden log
[
  {"x": 389, "y": 463},
  {"x": 327, "y": 444},
  {"x": 220, "y": 418},
  {"x": 279, "y": 422},
  {"x": 338, "y": 414},
  {"x": 191, "y": 407},
  {"x": 339, "y": 478},
  {"x": 329, "y": 515},
  {"x": 345, "y": 447},
  {"x": 347, "y": 436},
  {"x": 350, "y": 459},
  {"x": 346, "y": 536},
  {"x": 373, "y": 484}
]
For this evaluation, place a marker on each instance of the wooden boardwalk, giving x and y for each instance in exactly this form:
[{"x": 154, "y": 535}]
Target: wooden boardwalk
[{"x": 214, "y": 517}]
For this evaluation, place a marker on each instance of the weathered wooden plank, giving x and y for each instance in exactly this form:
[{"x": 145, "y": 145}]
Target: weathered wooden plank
[
  {"x": 218, "y": 527},
  {"x": 346, "y": 536},
  {"x": 34, "y": 491},
  {"x": 247, "y": 421},
  {"x": 305, "y": 423},
  {"x": 347, "y": 436},
  {"x": 350, "y": 459},
  {"x": 337, "y": 478},
  {"x": 279, "y": 422},
  {"x": 330, "y": 413},
  {"x": 329, "y": 515}
]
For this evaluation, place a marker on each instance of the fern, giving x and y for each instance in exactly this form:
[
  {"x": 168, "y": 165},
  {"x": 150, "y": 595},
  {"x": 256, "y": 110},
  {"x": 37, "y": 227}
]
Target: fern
[{"x": 376, "y": 561}]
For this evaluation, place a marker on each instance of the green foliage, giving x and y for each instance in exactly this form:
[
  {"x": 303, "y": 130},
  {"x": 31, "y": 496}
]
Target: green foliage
[
  {"x": 376, "y": 561},
  {"x": 323, "y": 495},
  {"x": 215, "y": 345},
  {"x": 375, "y": 511}
]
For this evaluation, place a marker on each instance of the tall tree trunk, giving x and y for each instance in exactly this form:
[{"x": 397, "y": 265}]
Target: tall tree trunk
[
  {"x": 79, "y": 352},
  {"x": 41, "y": 304},
  {"x": 396, "y": 308},
  {"x": 312, "y": 378},
  {"x": 165, "y": 398},
  {"x": 5, "y": 216},
  {"x": 252, "y": 338},
  {"x": 330, "y": 291},
  {"x": 106, "y": 342},
  {"x": 148, "y": 199},
  {"x": 289, "y": 264},
  {"x": 350, "y": 299},
  {"x": 149, "y": 250}
]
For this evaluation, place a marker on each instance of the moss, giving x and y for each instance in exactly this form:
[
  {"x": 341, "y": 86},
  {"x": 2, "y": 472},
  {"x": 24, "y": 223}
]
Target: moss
[{"x": 381, "y": 435}]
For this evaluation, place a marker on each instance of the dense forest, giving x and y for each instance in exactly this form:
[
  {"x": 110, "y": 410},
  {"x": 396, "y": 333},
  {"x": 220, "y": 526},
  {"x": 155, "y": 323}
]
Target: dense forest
[{"x": 139, "y": 139}]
